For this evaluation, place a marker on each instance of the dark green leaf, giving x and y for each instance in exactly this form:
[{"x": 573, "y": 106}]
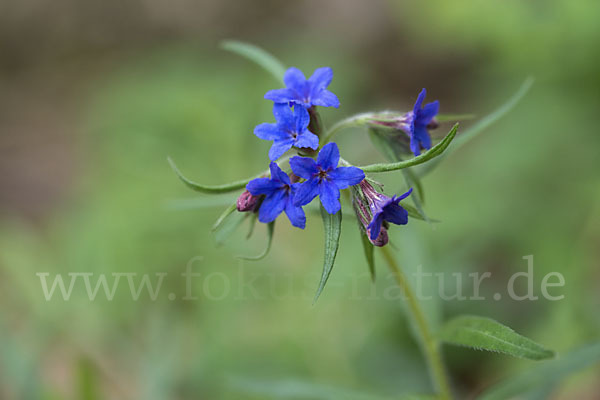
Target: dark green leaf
[
  {"x": 546, "y": 374},
  {"x": 368, "y": 249},
  {"x": 270, "y": 229},
  {"x": 259, "y": 56},
  {"x": 486, "y": 334},
  {"x": 332, "y": 225},
  {"x": 424, "y": 157}
]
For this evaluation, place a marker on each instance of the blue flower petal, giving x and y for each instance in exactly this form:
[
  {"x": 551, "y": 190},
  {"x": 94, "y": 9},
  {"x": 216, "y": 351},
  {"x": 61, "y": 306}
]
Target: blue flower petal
[
  {"x": 330, "y": 196},
  {"x": 307, "y": 139},
  {"x": 272, "y": 206},
  {"x": 301, "y": 119},
  {"x": 326, "y": 99},
  {"x": 294, "y": 79},
  {"x": 415, "y": 146},
  {"x": 320, "y": 79},
  {"x": 422, "y": 136},
  {"x": 402, "y": 197},
  {"x": 344, "y": 177},
  {"x": 269, "y": 132},
  {"x": 427, "y": 113},
  {"x": 280, "y": 95},
  {"x": 285, "y": 117},
  {"x": 278, "y": 175},
  {"x": 260, "y": 186},
  {"x": 304, "y": 167},
  {"x": 295, "y": 214},
  {"x": 419, "y": 101},
  {"x": 279, "y": 147},
  {"x": 306, "y": 192},
  {"x": 395, "y": 214},
  {"x": 375, "y": 226},
  {"x": 329, "y": 156}
]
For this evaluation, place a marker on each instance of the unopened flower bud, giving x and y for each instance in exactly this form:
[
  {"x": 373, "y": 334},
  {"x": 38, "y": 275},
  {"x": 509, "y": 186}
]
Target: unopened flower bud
[
  {"x": 247, "y": 202},
  {"x": 381, "y": 240}
]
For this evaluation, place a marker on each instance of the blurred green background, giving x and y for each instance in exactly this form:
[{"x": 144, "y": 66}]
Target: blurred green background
[{"x": 95, "y": 95}]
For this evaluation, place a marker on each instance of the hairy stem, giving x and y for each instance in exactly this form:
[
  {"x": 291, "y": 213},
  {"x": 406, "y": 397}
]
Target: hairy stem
[{"x": 428, "y": 341}]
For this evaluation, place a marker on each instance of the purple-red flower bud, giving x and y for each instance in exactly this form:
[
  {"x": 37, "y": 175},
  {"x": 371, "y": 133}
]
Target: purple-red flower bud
[{"x": 247, "y": 202}]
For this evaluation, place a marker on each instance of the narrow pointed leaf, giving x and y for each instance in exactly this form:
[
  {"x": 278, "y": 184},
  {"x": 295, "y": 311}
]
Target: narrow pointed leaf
[
  {"x": 454, "y": 117},
  {"x": 257, "y": 55},
  {"x": 368, "y": 250},
  {"x": 486, "y": 334},
  {"x": 270, "y": 229},
  {"x": 545, "y": 374},
  {"x": 228, "y": 211},
  {"x": 332, "y": 225},
  {"x": 424, "y": 157},
  {"x": 229, "y": 224},
  {"x": 253, "y": 219},
  {"x": 229, "y": 187},
  {"x": 482, "y": 124}
]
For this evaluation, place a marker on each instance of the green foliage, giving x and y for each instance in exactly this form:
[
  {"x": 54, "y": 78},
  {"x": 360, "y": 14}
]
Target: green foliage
[
  {"x": 546, "y": 374},
  {"x": 257, "y": 55},
  {"x": 332, "y": 224},
  {"x": 369, "y": 252},
  {"x": 486, "y": 334},
  {"x": 270, "y": 229},
  {"x": 435, "y": 151}
]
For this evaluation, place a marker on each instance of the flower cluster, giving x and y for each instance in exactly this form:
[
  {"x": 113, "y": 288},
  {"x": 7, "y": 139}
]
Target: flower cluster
[{"x": 294, "y": 107}]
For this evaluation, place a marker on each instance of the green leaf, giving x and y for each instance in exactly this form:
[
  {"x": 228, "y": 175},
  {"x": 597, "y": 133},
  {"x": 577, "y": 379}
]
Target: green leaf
[
  {"x": 228, "y": 211},
  {"x": 332, "y": 225},
  {"x": 481, "y": 125},
  {"x": 430, "y": 154},
  {"x": 229, "y": 187},
  {"x": 270, "y": 229},
  {"x": 229, "y": 223},
  {"x": 368, "y": 249},
  {"x": 486, "y": 334},
  {"x": 546, "y": 374},
  {"x": 259, "y": 56}
]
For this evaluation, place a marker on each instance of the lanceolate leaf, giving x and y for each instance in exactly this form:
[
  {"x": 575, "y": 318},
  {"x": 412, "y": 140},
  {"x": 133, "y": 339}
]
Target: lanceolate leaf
[
  {"x": 229, "y": 187},
  {"x": 333, "y": 228},
  {"x": 228, "y": 211},
  {"x": 430, "y": 154},
  {"x": 228, "y": 225},
  {"x": 368, "y": 249},
  {"x": 546, "y": 374},
  {"x": 481, "y": 125},
  {"x": 270, "y": 229},
  {"x": 486, "y": 334},
  {"x": 257, "y": 55}
]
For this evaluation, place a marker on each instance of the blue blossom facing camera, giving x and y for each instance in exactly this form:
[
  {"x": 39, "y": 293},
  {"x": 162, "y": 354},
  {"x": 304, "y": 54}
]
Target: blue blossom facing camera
[
  {"x": 417, "y": 122},
  {"x": 383, "y": 208},
  {"x": 279, "y": 192},
  {"x": 306, "y": 92},
  {"x": 290, "y": 130},
  {"x": 324, "y": 178}
]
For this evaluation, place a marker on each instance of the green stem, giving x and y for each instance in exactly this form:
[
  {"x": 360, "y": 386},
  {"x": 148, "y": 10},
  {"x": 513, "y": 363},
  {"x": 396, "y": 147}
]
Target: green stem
[
  {"x": 428, "y": 340},
  {"x": 352, "y": 122}
]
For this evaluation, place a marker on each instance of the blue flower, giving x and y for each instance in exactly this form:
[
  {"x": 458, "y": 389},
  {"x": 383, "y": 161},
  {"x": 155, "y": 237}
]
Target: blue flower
[
  {"x": 384, "y": 208},
  {"x": 324, "y": 178},
  {"x": 279, "y": 192},
  {"x": 306, "y": 92},
  {"x": 416, "y": 122},
  {"x": 289, "y": 130}
]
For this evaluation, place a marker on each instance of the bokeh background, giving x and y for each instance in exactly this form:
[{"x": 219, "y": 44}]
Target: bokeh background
[{"x": 94, "y": 95}]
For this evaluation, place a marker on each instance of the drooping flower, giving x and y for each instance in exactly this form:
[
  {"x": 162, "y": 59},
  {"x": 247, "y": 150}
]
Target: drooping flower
[
  {"x": 306, "y": 92},
  {"x": 383, "y": 208},
  {"x": 289, "y": 131},
  {"x": 324, "y": 178},
  {"x": 279, "y": 192},
  {"x": 364, "y": 216},
  {"x": 418, "y": 121}
]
